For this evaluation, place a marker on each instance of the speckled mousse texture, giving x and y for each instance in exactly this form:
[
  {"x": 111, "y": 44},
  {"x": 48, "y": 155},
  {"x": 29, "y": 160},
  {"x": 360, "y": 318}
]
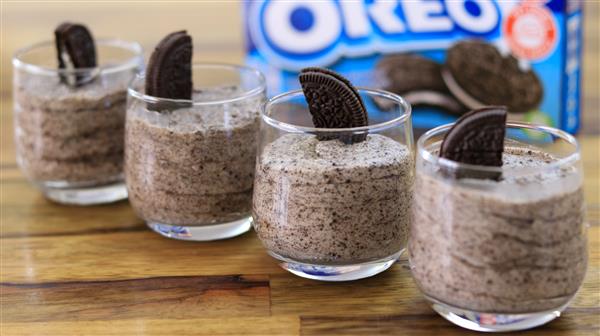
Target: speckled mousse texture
[
  {"x": 195, "y": 165},
  {"x": 325, "y": 202},
  {"x": 71, "y": 134},
  {"x": 513, "y": 246}
]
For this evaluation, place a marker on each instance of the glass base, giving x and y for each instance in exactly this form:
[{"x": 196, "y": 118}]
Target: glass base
[
  {"x": 86, "y": 195},
  {"x": 490, "y": 322},
  {"x": 336, "y": 272},
  {"x": 203, "y": 233}
]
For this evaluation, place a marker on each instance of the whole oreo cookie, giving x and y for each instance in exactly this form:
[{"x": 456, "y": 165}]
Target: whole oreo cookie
[
  {"x": 477, "y": 138},
  {"x": 75, "y": 49},
  {"x": 478, "y": 75},
  {"x": 169, "y": 71},
  {"x": 333, "y": 102},
  {"x": 418, "y": 80}
]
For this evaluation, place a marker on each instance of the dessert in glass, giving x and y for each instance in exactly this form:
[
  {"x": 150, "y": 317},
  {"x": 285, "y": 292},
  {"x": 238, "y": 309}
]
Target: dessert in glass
[
  {"x": 333, "y": 185},
  {"x": 69, "y": 119},
  {"x": 190, "y": 144},
  {"x": 498, "y": 241}
]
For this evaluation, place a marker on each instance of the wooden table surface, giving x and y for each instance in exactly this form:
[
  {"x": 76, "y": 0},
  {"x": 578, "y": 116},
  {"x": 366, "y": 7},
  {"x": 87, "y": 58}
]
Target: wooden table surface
[{"x": 99, "y": 271}]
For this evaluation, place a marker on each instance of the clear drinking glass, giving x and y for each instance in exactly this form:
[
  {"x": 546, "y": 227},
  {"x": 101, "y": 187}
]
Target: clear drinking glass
[
  {"x": 507, "y": 254},
  {"x": 334, "y": 209},
  {"x": 69, "y": 139},
  {"x": 189, "y": 164}
]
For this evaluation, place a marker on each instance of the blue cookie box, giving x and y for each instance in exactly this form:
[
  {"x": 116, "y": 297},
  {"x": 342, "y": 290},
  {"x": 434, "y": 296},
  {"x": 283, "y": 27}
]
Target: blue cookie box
[{"x": 285, "y": 36}]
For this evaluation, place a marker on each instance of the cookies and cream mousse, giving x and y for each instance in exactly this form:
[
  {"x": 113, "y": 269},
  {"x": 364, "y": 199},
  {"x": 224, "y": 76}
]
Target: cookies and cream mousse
[
  {"x": 333, "y": 199},
  {"x": 69, "y": 128},
  {"x": 202, "y": 165},
  {"x": 188, "y": 163},
  {"x": 497, "y": 243}
]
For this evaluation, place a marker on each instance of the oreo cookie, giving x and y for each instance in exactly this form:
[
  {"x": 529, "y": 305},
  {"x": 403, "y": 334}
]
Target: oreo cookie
[
  {"x": 478, "y": 74},
  {"x": 333, "y": 102},
  {"x": 75, "y": 49},
  {"x": 477, "y": 138},
  {"x": 418, "y": 80},
  {"x": 169, "y": 71},
  {"x": 337, "y": 76}
]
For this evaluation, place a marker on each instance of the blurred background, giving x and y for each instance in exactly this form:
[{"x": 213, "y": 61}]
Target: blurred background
[
  {"x": 217, "y": 29},
  {"x": 216, "y": 26}
]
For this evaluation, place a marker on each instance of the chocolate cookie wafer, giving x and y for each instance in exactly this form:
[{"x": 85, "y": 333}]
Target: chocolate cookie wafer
[
  {"x": 333, "y": 102},
  {"x": 169, "y": 72},
  {"x": 478, "y": 74},
  {"x": 418, "y": 80},
  {"x": 477, "y": 138},
  {"x": 75, "y": 49}
]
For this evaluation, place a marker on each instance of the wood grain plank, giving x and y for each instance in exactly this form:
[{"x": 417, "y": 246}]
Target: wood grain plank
[
  {"x": 574, "y": 322},
  {"x": 391, "y": 292},
  {"x": 7, "y": 148},
  {"x": 128, "y": 255},
  {"x": 9, "y": 172},
  {"x": 164, "y": 297},
  {"x": 259, "y": 326},
  {"x": 28, "y": 214}
]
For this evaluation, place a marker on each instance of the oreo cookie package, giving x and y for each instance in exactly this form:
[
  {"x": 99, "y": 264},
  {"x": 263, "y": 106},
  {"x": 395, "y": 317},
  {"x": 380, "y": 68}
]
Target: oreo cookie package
[{"x": 444, "y": 57}]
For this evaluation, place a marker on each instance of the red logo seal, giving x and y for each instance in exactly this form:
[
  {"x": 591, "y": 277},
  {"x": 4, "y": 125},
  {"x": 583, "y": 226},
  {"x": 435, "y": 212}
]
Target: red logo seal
[{"x": 531, "y": 31}]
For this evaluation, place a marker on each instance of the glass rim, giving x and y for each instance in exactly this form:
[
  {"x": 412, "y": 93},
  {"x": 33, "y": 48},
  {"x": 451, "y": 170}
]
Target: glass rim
[
  {"x": 292, "y": 128},
  {"x": 131, "y": 63},
  {"x": 256, "y": 90},
  {"x": 571, "y": 158}
]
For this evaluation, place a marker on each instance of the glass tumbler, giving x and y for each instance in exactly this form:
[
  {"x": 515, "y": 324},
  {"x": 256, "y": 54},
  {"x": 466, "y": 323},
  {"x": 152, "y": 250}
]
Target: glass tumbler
[
  {"x": 329, "y": 207},
  {"x": 503, "y": 254},
  {"x": 189, "y": 164},
  {"x": 68, "y": 138}
]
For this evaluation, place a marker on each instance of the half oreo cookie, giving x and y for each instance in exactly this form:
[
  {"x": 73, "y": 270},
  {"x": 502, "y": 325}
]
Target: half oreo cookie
[
  {"x": 338, "y": 77},
  {"x": 478, "y": 74},
  {"x": 333, "y": 103},
  {"x": 169, "y": 71},
  {"x": 477, "y": 138},
  {"x": 75, "y": 49},
  {"x": 418, "y": 80}
]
